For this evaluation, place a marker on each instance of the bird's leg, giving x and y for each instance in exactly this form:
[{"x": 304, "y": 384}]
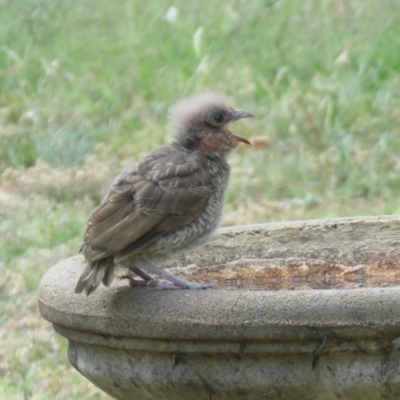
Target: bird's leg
[
  {"x": 136, "y": 282},
  {"x": 174, "y": 281},
  {"x": 145, "y": 281}
]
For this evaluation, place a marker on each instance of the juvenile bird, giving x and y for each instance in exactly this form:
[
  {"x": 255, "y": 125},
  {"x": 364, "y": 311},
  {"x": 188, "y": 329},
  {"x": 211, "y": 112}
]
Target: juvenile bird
[{"x": 169, "y": 202}]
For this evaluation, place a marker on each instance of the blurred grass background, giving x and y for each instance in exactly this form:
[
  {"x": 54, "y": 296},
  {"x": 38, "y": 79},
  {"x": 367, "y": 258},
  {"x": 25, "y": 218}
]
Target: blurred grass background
[{"x": 85, "y": 89}]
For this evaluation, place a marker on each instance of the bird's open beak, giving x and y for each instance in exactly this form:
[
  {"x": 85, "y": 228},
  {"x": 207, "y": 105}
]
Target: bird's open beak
[{"x": 234, "y": 116}]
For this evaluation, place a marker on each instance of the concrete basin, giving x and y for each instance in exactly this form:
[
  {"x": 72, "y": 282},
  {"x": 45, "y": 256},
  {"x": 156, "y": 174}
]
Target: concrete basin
[{"x": 306, "y": 310}]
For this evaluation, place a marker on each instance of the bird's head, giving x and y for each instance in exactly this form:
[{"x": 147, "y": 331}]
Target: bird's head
[{"x": 202, "y": 123}]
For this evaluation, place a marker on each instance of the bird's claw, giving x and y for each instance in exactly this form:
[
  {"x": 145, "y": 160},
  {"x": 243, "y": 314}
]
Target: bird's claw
[
  {"x": 201, "y": 286},
  {"x": 161, "y": 285},
  {"x": 155, "y": 283}
]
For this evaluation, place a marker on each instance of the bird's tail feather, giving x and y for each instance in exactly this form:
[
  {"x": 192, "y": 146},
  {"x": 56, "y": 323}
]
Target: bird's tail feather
[{"x": 94, "y": 273}]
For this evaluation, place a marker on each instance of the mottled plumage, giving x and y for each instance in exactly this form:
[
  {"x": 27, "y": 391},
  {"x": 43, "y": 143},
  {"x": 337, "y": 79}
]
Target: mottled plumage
[{"x": 169, "y": 202}]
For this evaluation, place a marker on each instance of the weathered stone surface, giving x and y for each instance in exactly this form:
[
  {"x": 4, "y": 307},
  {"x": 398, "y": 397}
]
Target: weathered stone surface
[{"x": 141, "y": 343}]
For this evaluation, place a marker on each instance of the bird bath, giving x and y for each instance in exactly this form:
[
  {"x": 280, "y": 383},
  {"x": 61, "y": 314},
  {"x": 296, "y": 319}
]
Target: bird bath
[{"x": 306, "y": 310}]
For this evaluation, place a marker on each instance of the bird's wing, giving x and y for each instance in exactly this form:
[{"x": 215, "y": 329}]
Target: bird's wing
[{"x": 167, "y": 191}]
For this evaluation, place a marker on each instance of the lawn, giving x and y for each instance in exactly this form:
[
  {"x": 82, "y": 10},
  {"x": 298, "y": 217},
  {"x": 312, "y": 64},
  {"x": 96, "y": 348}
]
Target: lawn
[{"x": 85, "y": 89}]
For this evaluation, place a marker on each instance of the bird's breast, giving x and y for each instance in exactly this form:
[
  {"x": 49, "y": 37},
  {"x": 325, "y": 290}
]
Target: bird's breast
[{"x": 193, "y": 235}]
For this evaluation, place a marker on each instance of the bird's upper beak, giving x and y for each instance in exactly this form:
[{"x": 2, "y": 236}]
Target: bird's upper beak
[
  {"x": 239, "y": 114},
  {"x": 234, "y": 116}
]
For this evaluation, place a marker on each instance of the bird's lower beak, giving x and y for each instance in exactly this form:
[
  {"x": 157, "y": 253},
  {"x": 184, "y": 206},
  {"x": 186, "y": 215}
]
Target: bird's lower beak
[{"x": 241, "y": 139}]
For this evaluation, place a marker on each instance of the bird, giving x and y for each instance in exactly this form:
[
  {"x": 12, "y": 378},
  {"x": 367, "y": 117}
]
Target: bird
[{"x": 169, "y": 202}]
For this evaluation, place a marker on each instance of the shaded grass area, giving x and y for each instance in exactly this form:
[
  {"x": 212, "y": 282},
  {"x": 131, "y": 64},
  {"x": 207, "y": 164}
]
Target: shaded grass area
[{"x": 85, "y": 89}]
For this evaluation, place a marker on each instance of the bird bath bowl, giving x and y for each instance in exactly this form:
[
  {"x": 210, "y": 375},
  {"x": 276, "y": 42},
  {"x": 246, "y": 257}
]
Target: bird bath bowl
[{"x": 306, "y": 310}]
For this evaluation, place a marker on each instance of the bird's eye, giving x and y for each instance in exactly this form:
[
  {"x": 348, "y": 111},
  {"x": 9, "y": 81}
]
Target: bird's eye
[{"x": 218, "y": 118}]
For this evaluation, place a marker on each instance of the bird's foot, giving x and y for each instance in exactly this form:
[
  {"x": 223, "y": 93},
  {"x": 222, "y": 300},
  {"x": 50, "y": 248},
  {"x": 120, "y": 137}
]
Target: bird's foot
[
  {"x": 161, "y": 285},
  {"x": 173, "y": 282}
]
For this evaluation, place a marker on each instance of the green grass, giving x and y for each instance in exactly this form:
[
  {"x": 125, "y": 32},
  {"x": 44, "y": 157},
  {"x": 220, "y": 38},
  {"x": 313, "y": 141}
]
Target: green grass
[{"x": 85, "y": 89}]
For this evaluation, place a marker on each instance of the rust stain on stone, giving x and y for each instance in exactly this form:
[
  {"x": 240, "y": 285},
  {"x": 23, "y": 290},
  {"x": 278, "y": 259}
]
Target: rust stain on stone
[{"x": 298, "y": 274}]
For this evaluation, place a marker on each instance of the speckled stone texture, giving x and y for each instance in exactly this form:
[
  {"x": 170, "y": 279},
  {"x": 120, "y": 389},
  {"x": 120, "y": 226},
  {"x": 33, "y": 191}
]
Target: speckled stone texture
[{"x": 142, "y": 343}]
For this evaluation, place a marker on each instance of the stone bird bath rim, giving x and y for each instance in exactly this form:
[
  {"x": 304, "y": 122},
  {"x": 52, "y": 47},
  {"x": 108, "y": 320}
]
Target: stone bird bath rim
[{"x": 340, "y": 343}]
